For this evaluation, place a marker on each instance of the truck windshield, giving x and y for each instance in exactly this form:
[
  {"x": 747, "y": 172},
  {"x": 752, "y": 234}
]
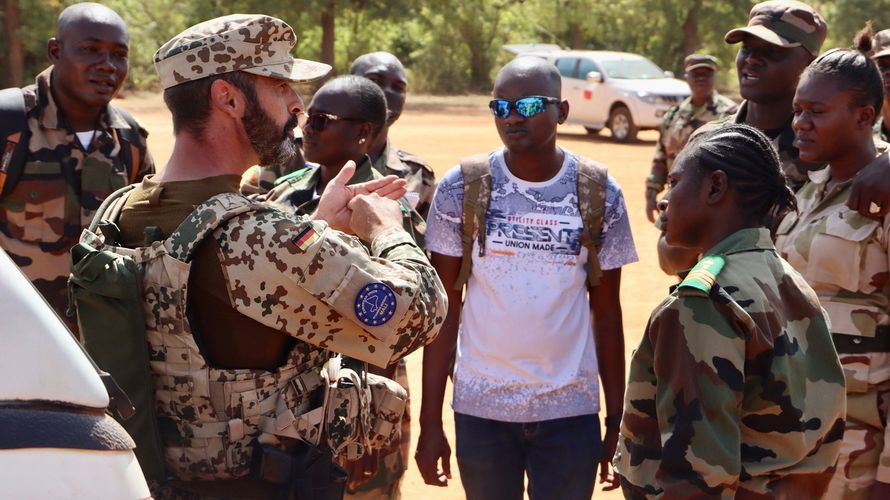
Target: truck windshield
[{"x": 631, "y": 68}]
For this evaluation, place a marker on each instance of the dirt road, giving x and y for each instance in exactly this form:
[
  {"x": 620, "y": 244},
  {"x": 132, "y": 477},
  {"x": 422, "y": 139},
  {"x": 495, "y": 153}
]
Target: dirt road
[{"x": 444, "y": 130}]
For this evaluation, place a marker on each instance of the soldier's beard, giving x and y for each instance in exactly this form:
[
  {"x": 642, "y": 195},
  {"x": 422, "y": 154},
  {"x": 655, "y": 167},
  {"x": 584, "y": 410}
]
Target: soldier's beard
[{"x": 272, "y": 144}]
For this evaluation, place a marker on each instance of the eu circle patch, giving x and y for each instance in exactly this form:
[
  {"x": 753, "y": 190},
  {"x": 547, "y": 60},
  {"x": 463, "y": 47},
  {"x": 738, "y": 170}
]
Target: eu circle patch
[{"x": 375, "y": 304}]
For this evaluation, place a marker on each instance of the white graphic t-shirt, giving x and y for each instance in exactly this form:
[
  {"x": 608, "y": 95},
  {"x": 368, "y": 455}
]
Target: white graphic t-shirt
[{"x": 525, "y": 349}]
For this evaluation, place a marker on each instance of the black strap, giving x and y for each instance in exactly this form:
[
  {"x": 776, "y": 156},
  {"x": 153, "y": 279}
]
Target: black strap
[{"x": 13, "y": 120}]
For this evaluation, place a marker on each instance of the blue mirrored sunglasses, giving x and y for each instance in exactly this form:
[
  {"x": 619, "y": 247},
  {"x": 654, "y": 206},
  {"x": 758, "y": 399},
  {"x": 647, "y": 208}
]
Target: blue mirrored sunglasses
[{"x": 527, "y": 107}]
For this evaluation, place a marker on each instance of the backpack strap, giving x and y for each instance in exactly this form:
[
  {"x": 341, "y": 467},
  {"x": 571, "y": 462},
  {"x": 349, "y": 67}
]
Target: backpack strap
[
  {"x": 203, "y": 220},
  {"x": 132, "y": 153},
  {"x": 476, "y": 173},
  {"x": 14, "y": 135},
  {"x": 592, "y": 178},
  {"x": 110, "y": 207}
]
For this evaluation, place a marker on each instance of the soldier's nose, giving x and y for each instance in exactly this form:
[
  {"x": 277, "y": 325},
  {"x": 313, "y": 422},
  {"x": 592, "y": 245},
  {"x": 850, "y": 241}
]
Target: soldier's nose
[{"x": 662, "y": 204}]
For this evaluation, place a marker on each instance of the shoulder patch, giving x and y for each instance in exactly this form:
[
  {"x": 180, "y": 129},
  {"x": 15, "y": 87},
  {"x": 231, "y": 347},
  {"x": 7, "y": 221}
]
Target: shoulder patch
[
  {"x": 375, "y": 303},
  {"x": 703, "y": 276}
]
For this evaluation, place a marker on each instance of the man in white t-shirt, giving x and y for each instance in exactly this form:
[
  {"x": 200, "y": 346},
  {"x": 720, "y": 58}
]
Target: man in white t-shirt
[{"x": 526, "y": 396}]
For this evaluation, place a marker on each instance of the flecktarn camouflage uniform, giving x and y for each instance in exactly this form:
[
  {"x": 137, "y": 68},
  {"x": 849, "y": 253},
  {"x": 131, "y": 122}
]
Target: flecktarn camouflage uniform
[
  {"x": 736, "y": 386},
  {"x": 844, "y": 256},
  {"x": 295, "y": 192},
  {"x": 292, "y": 274},
  {"x": 682, "y": 120},
  {"x": 60, "y": 189}
]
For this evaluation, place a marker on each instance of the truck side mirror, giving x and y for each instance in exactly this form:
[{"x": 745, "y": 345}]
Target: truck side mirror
[{"x": 595, "y": 77}]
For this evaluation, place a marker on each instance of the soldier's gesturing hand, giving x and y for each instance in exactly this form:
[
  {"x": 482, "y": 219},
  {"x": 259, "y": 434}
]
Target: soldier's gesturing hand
[
  {"x": 373, "y": 214},
  {"x": 333, "y": 206}
]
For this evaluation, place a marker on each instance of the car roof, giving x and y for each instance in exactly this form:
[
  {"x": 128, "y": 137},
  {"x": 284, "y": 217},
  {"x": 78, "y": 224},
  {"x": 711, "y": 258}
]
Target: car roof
[{"x": 601, "y": 55}]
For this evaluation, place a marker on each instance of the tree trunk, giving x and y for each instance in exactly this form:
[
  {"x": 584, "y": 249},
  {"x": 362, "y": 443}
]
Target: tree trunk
[
  {"x": 15, "y": 58},
  {"x": 577, "y": 36},
  {"x": 327, "y": 34},
  {"x": 690, "y": 29}
]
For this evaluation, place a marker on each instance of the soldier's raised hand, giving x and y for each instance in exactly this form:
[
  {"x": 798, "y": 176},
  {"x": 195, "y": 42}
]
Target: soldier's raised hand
[
  {"x": 373, "y": 214},
  {"x": 333, "y": 205}
]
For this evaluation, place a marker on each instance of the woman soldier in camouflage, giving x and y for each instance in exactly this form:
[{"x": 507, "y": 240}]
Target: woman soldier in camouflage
[
  {"x": 735, "y": 389},
  {"x": 844, "y": 255}
]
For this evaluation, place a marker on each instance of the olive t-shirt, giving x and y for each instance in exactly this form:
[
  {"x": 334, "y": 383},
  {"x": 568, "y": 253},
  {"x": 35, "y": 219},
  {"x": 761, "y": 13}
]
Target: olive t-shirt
[{"x": 227, "y": 338}]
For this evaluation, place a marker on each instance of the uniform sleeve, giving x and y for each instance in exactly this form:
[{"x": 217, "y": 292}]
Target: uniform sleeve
[
  {"x": 617, "y": 248},
  {"x": 660, "y": 156},
  {"x": 699, "y": 370},
  {"x": 324, "y": 287},
  {"x": 444, "y": 228}
]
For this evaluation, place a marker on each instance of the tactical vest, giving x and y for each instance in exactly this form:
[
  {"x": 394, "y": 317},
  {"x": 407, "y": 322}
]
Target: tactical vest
[
  {"x": 476, "y": 173},
  {"x": 211, "y": 419}
]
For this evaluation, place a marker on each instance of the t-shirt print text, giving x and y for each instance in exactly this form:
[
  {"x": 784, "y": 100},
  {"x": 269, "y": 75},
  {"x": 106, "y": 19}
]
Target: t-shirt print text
[{"x": 533, "y": 233}]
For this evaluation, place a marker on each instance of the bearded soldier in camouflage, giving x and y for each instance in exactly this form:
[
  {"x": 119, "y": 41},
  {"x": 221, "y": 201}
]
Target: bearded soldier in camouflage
[
  {"x": 249, "y": 299},
  {"x": 703, "y": 106},
  {"x": 736, "y": 388},
  {"x": 76, "y": 148}
]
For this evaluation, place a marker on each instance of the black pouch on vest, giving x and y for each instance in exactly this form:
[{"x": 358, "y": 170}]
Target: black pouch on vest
[{"x": 303, "y": 473}]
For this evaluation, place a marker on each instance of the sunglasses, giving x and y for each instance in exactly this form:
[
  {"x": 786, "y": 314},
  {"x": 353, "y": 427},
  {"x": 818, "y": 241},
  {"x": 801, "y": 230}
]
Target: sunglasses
[
  {"x": 527, "y": 107},
  {"x": 318, "y": 121}
]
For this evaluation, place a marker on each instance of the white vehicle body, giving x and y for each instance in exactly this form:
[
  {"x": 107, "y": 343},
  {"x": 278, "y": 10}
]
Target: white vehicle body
[
  {"x": 55, "y": 439},
  {"x": 598, "y": 84}
]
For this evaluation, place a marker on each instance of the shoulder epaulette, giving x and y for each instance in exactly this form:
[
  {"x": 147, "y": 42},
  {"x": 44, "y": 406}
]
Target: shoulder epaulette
[
  {"x": 703, "y": 276},
  {"x": 295, "y": 175},
  {"x": 413, "y": 158}
]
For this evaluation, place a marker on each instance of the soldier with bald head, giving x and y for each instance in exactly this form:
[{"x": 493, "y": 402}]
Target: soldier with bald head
[{"x": 73, "y": 150}]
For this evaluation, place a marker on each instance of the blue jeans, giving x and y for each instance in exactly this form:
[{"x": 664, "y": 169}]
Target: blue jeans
[{"x": 560, "y": 457}]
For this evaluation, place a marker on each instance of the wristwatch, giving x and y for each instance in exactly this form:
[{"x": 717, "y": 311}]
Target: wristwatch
[{"x": 613, "y": 421}]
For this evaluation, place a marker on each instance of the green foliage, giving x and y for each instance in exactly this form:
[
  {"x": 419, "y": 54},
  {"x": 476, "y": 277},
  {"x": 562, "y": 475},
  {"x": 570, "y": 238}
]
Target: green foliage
[{"x": 454, "y": 46}]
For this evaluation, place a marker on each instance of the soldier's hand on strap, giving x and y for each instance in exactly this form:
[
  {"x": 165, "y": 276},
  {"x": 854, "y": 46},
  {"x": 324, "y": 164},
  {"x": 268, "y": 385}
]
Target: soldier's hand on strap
[
  {"x": 333, "y": 205},
  {"x": 373, "y": 214},
  {"x": 870, "y": 195}
]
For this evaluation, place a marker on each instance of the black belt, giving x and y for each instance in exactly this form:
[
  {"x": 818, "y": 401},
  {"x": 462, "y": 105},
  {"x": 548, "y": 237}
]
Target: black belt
[{"x": 855, "y": 344}]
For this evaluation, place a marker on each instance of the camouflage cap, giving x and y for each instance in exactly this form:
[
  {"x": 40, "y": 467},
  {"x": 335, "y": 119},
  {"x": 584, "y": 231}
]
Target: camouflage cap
[
  {"x": 881, "y": 44},
  {"x": 785, "y": 23},
  {"x": 253, "y": 43},
  {"x": 694, "y": 61}
]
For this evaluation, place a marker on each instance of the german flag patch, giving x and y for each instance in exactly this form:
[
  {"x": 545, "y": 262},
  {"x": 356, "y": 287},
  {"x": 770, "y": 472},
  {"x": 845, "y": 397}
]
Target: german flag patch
[{"x": 306, "y": 238}]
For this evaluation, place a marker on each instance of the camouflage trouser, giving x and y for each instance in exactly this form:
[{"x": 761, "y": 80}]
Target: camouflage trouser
[
  {"x": 385, "y": 484},
  {"x": 860, "y": 463}
]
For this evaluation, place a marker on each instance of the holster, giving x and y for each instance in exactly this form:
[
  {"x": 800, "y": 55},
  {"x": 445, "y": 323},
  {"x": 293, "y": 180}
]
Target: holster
[{"x": 304, "y": 472}]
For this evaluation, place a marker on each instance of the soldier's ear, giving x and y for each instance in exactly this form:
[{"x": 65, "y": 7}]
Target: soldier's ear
[
  {"x": 227, "y": 98},
  {"x": 717, "y": 186},
  {"x": 865, "y": 117},
  {"x": 54, "y": 49}
]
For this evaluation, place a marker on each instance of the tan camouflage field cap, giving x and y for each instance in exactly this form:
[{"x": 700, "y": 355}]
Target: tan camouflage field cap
[
  {"x": 881, "y": 44},
  {"x": 253, "y": 43},
  {"x": 695, "y": 61},
  {"x": 785, "y": 23}
]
